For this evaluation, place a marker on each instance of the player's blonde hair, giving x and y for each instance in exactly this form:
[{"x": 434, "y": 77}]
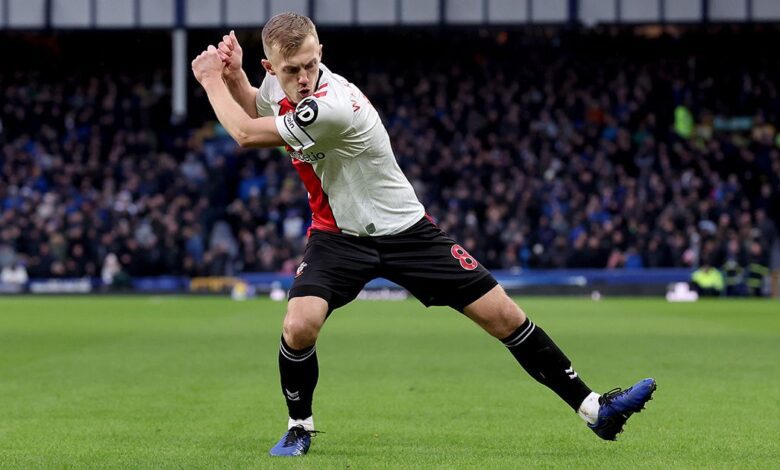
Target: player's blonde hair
[{"x": 286, "y": 32}]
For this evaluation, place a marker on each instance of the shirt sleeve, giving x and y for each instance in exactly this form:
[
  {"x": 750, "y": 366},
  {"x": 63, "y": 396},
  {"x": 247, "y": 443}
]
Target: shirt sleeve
[
  {"x": 263, "y": 99},
  {"x": 313, "y": 121}
]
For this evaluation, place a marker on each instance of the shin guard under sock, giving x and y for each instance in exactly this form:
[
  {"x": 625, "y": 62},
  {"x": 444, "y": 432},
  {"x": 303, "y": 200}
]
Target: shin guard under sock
[
  {"x": 546, "y": 363},
  {"x": 299, "y": 373}
]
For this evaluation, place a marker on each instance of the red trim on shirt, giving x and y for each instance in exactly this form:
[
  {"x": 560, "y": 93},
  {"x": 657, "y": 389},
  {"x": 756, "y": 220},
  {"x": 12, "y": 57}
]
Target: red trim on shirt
[
  {"x": 321, "y": 212},
  {"x": 285, "y": 106}
]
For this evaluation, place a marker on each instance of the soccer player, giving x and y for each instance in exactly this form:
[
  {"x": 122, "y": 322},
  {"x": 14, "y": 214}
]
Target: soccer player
[{"x": 368, "y": 223}]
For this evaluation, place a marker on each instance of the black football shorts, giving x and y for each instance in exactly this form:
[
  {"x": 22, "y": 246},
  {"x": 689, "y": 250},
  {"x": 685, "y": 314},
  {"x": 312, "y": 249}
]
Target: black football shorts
[{"x": 422, "y": 259}]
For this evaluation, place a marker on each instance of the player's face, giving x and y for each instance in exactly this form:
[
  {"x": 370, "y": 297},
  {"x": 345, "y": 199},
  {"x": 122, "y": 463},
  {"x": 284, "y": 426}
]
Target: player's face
[{"x": 297, "y": 73}]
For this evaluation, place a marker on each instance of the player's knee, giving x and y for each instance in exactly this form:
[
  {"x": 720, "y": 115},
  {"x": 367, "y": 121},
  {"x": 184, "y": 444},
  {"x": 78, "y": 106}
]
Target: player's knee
[
  {"x": 508, "y": 318},
  {"x": 300, "y": 332}
]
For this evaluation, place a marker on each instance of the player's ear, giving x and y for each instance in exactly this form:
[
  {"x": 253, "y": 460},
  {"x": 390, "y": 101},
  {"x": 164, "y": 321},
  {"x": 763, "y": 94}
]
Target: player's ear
[
  {"x": 267, "y": 66},
  {"x": 320, "y": 52}
]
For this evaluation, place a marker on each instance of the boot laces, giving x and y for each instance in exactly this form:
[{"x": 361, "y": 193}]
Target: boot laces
[
  {"x": 297, "y": 432},
  {"x": 609, "y": 396}
]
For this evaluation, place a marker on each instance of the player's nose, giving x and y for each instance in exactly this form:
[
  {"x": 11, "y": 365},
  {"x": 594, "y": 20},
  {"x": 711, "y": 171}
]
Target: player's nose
[{"x": 303, "y": 79}]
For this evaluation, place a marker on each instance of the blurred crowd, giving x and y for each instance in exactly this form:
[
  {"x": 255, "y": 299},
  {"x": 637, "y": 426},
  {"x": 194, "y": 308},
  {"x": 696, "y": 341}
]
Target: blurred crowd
[{"x": 547, "y": 153}]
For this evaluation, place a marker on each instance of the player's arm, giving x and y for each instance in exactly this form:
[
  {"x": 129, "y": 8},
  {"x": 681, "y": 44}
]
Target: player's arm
[
  {"x": 231, "y": 54},
  {"x": 248, "y": 132},
  {"x": 315, "y": 121},
  {"x": 242, "y": 91}
]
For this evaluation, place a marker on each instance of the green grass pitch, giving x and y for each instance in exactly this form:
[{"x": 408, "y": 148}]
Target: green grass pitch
[{"x": 192, "y": 383}]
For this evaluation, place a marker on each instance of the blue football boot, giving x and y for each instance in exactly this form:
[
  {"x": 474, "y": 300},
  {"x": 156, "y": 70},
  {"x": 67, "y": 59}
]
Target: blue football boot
[
  {"x": 295, "y": 442},
  {"x": 617, "y": 405}
]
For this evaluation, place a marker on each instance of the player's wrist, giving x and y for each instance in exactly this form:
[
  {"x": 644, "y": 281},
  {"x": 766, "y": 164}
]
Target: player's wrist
[
  {"x": 211, "y": 80},
  {"x": 231, "y": 75}
]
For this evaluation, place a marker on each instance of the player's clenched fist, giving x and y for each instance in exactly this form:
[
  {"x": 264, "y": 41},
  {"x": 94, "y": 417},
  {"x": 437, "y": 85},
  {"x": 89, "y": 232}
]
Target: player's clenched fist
[
  {"x": 207, "y": 64},
  {"x": 229, "y": 50}
]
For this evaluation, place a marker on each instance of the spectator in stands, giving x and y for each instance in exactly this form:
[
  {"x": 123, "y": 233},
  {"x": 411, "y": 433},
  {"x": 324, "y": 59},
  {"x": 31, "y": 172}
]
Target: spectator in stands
[{"x": 573, "y": 161}]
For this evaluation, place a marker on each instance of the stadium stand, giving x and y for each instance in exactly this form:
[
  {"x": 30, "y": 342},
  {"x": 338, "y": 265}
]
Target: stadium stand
[{"x": 546, "y": 148}]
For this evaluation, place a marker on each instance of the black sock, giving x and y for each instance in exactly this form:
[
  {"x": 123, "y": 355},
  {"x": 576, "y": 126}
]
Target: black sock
[
  {"x": 541, "y": 358},
  {"x": 299, "y": 373}
]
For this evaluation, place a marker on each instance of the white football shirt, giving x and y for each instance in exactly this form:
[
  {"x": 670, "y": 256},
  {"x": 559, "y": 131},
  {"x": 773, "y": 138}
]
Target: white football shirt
[{"x": 342, "y": 152}]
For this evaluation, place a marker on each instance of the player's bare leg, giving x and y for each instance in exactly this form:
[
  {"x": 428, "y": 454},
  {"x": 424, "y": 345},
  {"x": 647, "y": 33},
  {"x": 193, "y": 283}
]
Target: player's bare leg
[
  {"x": 299, "y": 371},
  {"x": 303, "y": 321},
  {"x": 605, "y": 414},
  {"x": 496, "y": 313}
]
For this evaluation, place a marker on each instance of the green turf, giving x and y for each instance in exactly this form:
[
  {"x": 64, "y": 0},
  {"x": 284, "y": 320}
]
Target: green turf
[{"x": 192, "y": 383}]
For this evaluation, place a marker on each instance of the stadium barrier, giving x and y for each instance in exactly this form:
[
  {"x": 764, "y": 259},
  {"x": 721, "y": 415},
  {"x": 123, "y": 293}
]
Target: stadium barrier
[{"x": 534, "y": 282}]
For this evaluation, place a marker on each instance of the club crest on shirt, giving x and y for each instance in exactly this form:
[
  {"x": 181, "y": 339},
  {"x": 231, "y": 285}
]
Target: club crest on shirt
[{"x": 300, "y": 269}]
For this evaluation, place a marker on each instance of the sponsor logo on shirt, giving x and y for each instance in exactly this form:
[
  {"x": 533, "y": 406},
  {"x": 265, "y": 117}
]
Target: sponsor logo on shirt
[{"x": 309, "y": 157}]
